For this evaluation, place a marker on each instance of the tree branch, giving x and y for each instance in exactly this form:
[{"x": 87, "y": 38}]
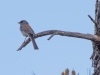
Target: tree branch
[
  {"x": 52, "y": 36},
  {"x": 24, "y": 44},
  {"x": 92, "y": 20},
  {"x": 62, "y": 33}
]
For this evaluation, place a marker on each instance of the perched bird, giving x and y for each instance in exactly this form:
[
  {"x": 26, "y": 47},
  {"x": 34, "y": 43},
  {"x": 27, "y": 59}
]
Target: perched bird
[{"x": 27, "y": 31}]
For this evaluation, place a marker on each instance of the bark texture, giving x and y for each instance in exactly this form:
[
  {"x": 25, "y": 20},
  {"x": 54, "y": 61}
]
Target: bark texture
[{"x": 96, "y": 45}]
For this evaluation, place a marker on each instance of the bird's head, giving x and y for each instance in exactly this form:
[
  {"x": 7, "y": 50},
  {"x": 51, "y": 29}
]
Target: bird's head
[{"x": 23, "y": 22}]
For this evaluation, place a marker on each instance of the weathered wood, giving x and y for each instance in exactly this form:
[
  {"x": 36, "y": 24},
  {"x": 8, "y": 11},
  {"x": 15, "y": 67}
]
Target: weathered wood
[
  {"x": 96, "y": 45},
  {"x": 92, "y": 19},
  {"x": 62, "y": 33},
  {"x": 24, "y": 44}
]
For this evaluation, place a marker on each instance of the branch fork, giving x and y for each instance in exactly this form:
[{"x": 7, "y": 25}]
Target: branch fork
[{"x": 62, "y": 33}]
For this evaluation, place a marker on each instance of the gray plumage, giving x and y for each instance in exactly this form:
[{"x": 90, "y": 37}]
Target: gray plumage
[{"x": 27, "y": 31}]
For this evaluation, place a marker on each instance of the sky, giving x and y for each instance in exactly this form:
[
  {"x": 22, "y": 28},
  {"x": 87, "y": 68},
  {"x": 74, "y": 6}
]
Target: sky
[{"x": 55, "y": 55}]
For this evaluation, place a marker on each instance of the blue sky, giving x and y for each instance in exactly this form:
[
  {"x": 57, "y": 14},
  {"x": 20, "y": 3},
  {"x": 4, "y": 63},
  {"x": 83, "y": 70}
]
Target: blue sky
[{"x": 53, "y": 56}]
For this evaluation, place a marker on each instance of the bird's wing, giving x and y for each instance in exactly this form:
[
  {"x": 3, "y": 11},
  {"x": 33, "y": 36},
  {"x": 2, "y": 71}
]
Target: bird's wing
[{"x": 27, "y": 28}]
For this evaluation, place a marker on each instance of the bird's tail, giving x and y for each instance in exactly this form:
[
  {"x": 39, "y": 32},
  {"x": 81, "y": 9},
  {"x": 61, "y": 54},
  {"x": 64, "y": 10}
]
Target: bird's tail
[{"x": 33, "y": 42}]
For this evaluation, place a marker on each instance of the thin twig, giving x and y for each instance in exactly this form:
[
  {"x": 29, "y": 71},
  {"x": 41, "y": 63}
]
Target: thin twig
[
  {"x": 33, "y": 73},
  {"x": 92, "y": 20},
  {"x": 51, "y": 36}
]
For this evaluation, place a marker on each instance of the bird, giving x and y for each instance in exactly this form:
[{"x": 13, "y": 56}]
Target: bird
[{"x": 27, "y": 31}]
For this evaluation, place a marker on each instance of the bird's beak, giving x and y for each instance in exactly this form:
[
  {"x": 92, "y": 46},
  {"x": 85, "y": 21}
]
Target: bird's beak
[{"x": 18, "y": 22}]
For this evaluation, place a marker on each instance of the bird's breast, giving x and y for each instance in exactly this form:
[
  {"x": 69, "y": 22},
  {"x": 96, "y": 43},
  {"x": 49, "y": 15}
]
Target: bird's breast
[{"x": 24, "y": 33}]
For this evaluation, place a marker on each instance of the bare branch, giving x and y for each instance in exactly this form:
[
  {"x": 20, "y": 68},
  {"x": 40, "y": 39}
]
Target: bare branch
[
  {"x": 24, "y": 44},
  {"x": 62, "y": 33},
  {"x": 52, "y": 36},
  {"x": 92, "y": 20}
]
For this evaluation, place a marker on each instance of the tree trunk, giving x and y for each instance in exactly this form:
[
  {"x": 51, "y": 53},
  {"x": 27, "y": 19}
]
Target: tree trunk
[{"x": 96, "y": 45}]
